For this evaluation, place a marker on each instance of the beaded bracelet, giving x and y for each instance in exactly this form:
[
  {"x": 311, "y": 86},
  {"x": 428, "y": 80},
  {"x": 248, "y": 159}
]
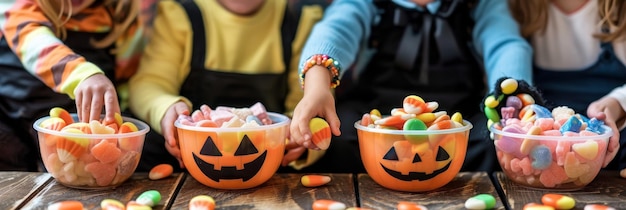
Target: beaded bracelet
[{"x": 323, "y": 60}]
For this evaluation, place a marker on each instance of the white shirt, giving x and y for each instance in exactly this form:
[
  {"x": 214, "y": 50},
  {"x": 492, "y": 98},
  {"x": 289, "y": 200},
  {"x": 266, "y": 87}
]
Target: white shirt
[{"x": 567, "y": 44}]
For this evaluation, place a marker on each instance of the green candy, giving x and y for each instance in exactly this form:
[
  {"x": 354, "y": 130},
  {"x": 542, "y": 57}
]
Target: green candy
[
  {"x": 492, "y": 114},
  {"x": 481, "y": 201},
  {"x": 149, "y": 198},
  {"x": 412, "y": 125}
]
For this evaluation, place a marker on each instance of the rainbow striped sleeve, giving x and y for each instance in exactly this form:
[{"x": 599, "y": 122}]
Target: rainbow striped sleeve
[{"x": 29, "y": 34}]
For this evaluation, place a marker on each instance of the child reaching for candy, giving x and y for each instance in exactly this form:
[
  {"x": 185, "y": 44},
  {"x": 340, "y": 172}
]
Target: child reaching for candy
[
  {"x": 225, "y": 53},
  {"x": 77, "y": 55}
]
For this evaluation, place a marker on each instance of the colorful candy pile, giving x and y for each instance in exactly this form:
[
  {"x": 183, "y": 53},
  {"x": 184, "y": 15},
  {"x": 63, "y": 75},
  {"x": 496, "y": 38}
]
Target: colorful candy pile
[
  {"x": 565, "y": 161},
  {"x": 82, "y": 161},
  {"x": 227, "y": 117},
  {"x": 415, "y": 114},
  {"x": 558, "y": 201}
]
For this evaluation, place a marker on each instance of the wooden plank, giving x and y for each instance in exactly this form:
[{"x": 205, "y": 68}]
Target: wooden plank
[
  {"x": 282, "y": 191},
  {"x": 608, "y": 188},
  {"x": 128, "y": 191},
  {"x": 17, "y": 188},
  {"x": 451, "y": 196}
]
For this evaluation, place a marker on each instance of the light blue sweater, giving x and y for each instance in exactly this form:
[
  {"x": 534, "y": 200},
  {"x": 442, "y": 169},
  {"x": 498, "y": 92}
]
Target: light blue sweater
[{"x": 346, "y": 26}]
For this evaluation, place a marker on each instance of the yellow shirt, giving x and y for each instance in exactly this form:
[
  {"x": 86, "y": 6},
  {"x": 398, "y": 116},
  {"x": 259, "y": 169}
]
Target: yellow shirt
[{"x": 242, "y": 44}]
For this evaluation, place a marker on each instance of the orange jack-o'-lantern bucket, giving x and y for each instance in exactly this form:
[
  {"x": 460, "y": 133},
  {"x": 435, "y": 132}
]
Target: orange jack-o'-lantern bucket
[
  {"x": 233, "y": 158},
  {"x": 395, "y": 160}
]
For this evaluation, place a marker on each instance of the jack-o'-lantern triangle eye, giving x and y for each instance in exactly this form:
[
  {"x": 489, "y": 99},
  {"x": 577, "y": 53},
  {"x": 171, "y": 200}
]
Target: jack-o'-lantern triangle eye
[
  {"x": 246, "y": 147},
  {"x": 442, "y": 155},
  {"x": 209, "y": 148},
  {"x": 391, "y": 154},
  {"x": 417, "y": 158}
]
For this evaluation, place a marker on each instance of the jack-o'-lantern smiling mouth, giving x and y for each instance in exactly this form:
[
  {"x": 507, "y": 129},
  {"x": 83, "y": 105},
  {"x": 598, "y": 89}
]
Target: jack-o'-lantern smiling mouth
[
  {"x": 246, "y": 148},
  {"x": 421, "y": 176},
  {"x": 441, "y": 155}
]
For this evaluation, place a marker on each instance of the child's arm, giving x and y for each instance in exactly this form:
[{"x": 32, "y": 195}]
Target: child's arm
[
  {"x": 339, "y": 34},
  {"x": 163, "y": 68},
  {"x": 497, "y": 38},
  {"x": 28, "y": 34}
]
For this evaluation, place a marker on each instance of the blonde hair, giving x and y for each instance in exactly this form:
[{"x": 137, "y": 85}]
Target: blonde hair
[
  {"x": 532, "y": 15},
  {"x": 123, "y": 14}
]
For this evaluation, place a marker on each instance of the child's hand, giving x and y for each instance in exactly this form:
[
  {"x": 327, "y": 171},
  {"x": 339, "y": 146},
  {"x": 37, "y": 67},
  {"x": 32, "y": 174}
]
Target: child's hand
[
  {"x": 294, "y": 151},
  {"x": 318, "y": 100},
  {"x": 169, "y": 130},
  {"x": 609, "y": 110},
  {"x": 92, "y": 95}
]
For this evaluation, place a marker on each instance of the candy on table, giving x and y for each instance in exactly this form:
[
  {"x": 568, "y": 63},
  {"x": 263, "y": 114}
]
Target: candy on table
[
  {"x": 149, "y": 198},
  {"x": 160, "y": 171},
  {"x": 406, "y": 205},
  {"x": 325, "y": 204},
  {"x": 321, "y": 133},
  {"x": 481, "y": 201},
  {"x": 558, "y": 201},
  {"x": 597, "y": 207},
  {"x": 133, "y": 205},
  {"x": 536, "y": 206},
  {"x": 202, "y": 202},
  {"x": 66, "y": 205},
  {"x": 314, "y": 180},
  {"x": 111, "y": 204}
]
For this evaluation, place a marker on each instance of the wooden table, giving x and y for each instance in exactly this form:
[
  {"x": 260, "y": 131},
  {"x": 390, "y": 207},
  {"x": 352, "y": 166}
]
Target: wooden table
[
  {"x": 450, "y": 196},
  {"x": 608, "y": 189},
  {"x": 34, "y": 190}
]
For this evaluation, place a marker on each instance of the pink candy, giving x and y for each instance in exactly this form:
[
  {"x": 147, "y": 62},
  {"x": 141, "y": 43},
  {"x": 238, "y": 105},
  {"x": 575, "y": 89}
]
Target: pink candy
[{"x": 224, "y": 116}]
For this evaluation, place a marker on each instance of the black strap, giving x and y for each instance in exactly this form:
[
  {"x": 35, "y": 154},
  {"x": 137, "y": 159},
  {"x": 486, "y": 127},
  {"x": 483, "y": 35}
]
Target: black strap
[
  {"x": 198, "y": 53},
  {"x": 287, "y": 30}
]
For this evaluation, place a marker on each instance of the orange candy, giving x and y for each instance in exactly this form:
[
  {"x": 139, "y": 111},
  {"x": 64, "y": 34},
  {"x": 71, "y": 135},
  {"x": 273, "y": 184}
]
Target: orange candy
[
  {"x": 202, "y": 202},
  {"x": 321, "y": 133},
  {"x": 66, "y": 205},
  {"x": 328, "y": 205},
  {"x": 558, "y": 201},
  {"x": 598, "y": 207},
  {"x": 405, "y": 205},
  {"x": 536, "y": 206},
  {"x": 63, "y": 114},
  {"x": 161, "y": 171},
  {"x": 314, "y": 180}
]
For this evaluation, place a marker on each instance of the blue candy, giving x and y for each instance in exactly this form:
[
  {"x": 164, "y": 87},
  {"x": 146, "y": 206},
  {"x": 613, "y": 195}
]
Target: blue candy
[
  {"x": 573, "y": 124},
  {"x": 541, "y": 112},
  {"x": 541, "y": 156},
  {"x": 595, "y": 125},
  {"x": 251, "y": 118}
]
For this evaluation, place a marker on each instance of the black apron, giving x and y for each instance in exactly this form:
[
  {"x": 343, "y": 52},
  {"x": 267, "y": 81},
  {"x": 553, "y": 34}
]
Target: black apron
[
  {"x": 417, "y": 53},
  {"x": 218, "y": 88},
  {"x": 24, "y": 99}
]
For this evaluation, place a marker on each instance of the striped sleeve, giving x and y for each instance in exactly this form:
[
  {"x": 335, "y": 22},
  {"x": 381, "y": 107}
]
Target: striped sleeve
[{"x": 29, "y": 34}]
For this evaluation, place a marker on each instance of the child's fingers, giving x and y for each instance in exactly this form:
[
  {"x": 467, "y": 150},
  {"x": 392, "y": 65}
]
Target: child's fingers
[
  {"x": 111, "y": 106},
  {"x": 292, "y": 154}
]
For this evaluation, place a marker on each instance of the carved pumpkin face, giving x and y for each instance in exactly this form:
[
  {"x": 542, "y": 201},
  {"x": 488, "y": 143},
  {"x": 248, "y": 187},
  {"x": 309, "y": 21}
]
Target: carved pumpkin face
[
  {"x": 232, "y": 158},
  {"x": 395, "y": 163}
]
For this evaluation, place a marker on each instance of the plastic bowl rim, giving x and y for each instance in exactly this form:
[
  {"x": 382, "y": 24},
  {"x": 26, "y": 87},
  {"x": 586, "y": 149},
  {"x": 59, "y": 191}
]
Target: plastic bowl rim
[
  {"x": 284, "y": 120},
  {"x": 137, "y": 123},
  {"x": 605, "y": 135},
  {"x": 467, "y": 126}
]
